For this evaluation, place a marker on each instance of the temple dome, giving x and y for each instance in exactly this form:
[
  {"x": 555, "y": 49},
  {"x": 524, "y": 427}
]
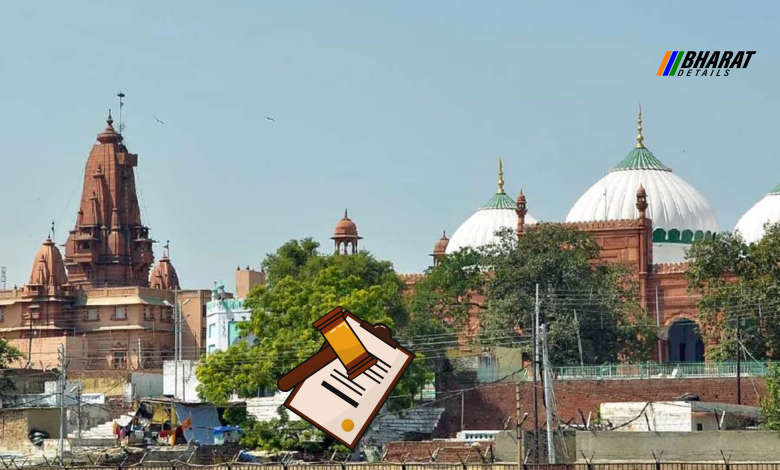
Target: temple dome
[
  {"x": 767, "y": 210},
  {"x": 164, "y": 275},
  {"x": 679, "y": 213},
  {"x": 480, "y": 229},
  {"x": 48, "y": 269}
]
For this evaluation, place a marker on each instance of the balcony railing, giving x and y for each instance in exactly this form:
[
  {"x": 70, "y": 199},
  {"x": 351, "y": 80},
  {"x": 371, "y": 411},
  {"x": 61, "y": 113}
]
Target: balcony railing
[
  {"x": 662, "y": 371},
  {"x": 486, "y": 373}
]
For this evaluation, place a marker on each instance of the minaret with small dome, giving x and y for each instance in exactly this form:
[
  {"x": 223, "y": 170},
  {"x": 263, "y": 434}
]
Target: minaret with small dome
[
  {"x": 345, "y": 236},
  {"x": 440, "y": 248}
]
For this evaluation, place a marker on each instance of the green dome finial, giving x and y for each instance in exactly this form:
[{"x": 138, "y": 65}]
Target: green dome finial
[
  {"x": 500, "y": 176},
  {"x": 640, "y": 157},
  {"x": 639, "y": 137}
]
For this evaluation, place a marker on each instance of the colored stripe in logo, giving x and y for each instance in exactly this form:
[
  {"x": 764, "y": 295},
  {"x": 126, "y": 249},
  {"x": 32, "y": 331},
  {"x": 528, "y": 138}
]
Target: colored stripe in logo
[
  {"x": 670, "y": 63},
  {"x": 663, "y": 64},
  {"x": 677, "y": 63}
]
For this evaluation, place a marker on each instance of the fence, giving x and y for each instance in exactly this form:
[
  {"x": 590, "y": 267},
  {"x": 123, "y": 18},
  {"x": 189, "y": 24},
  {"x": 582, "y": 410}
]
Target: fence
[
  {"x": 654, "y": 370},
  {"x": 434, "y": 466},
  {"x": 491, "y": 369}
]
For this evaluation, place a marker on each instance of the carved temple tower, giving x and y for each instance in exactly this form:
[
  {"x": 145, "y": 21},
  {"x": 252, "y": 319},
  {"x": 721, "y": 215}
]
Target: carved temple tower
[{"x": 109, "y": 246}]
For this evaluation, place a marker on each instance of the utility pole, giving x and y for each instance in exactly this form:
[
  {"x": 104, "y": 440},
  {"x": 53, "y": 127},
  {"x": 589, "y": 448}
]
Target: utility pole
[
  {"x": 462, "y": 409},
  {"x": 658, "y": 327},
  {"x": 739, "y": 363},
  {"x": 579, "y": 339},
  {"x": 176, "y": 345},
  {"x": 78, "y": 416},
  {"x": 548, "y": 400},
  {"x": 140, "y": 355},
  {"x": 518, "y": 431},
  {"x": 536, "y": 373},
  {"x": 63, "y": 377}
]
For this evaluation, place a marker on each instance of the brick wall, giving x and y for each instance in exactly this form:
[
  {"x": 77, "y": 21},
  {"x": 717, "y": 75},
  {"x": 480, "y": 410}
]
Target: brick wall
[
  {"x": 492, "y": 407},
  {"x": 441, "y": 451}
]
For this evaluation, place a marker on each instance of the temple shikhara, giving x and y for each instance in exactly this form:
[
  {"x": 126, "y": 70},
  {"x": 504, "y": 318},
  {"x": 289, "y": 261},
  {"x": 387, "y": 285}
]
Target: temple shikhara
[
  {"x": 109, "y": 246},
  {"x": 100, "y": 300}
]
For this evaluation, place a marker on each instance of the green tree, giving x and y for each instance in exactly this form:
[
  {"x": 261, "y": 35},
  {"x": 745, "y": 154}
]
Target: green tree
[
  {"x": 304, "y": 284},
  {"x": 559, "y": 258},
  {"x": 738, "y": 282},
  {"x": 770, "y": 403},
  {"x": 8, "y": 354},
  {"x": 438, "y": 306}
]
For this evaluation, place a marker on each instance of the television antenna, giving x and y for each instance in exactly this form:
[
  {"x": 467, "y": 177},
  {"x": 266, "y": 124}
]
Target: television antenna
[{"x": 121, "y": 97}]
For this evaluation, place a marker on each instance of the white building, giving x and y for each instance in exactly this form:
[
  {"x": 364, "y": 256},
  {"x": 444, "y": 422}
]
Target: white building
[
  {"x": 677, "y": 416},
  {"x": 223, "y": 315},
  {"x": 180, "y": 381}
]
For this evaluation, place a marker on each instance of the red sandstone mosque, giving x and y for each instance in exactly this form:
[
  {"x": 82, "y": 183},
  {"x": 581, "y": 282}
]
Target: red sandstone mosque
[{"x": 641, "y": 214}]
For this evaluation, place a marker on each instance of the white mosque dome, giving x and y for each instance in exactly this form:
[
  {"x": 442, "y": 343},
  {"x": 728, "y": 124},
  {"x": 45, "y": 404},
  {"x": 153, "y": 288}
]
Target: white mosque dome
[
  {"x": 767, "y": 210},
  {"x": 679, "y": 213},
  {"x": 480, "y": 229}
]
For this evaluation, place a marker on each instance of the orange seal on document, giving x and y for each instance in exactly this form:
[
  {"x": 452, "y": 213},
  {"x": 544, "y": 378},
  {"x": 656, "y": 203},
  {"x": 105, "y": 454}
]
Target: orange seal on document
[{"x": 347, "y": 425}]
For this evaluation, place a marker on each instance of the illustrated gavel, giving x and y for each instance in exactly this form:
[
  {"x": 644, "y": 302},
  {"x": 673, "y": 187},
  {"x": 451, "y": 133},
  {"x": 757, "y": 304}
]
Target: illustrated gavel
[{"x": 342, "y": 343}]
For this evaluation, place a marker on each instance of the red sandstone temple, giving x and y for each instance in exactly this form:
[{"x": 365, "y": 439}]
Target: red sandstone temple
[{"x": 100, "y": 300}]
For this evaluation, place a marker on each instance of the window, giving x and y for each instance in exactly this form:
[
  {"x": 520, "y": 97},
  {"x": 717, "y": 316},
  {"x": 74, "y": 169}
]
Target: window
[
  {"x": 92, "y": 314},
  {"x": 212, "y": 348},
  {"x": 233, "y": 332},
  {"x": 148, "y": 314},
  {"x": 166, "y": 314},
  {"x": 699, "y": 427},
  {"x": 212, "y": 327},
  {"x": 119, "y": 360},
  {"x": 120, "y": 312},
  {"x": 1, "y": 314}
]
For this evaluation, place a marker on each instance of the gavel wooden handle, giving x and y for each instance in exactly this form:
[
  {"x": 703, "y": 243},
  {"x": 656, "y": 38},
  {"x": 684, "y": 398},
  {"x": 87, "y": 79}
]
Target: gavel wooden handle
[
  {"x": 323, "y": 357},
  {"x": 311, "y": 365}
]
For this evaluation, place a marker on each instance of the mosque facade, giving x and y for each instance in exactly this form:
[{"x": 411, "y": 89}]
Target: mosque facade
[{"x": 641, "y": 214}]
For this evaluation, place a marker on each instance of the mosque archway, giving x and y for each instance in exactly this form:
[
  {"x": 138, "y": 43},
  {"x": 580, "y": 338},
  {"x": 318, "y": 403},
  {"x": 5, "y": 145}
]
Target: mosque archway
[{"x": 683, "y": 342}]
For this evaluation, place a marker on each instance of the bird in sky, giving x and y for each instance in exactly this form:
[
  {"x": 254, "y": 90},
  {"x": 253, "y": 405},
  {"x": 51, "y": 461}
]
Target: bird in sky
[
  {"x": 158, "y": 119},
  {"x": 270, "y": 119}
]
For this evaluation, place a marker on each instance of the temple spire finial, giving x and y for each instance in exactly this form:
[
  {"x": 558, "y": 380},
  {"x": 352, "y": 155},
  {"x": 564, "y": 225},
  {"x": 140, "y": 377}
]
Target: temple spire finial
[
  {"x": 639, "y": 137},
  {"x": 109, "y": 119},
  {"x": 345, "y": 214},
  {"x": 500, "y": 176}
]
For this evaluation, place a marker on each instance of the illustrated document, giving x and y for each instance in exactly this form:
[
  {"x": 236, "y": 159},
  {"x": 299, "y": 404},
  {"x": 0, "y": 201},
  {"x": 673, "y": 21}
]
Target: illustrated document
[{"x": 344, "y": 408}]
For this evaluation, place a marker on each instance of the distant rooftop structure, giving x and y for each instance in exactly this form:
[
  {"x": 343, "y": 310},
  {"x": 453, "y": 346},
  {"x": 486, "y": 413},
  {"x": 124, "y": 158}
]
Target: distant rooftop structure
[{"x": 677, "y": 416}]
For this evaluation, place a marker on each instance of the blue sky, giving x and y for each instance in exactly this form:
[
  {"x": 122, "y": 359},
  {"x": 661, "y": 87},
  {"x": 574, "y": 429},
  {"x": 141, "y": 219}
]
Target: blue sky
[{"x": 396, "y": 110}]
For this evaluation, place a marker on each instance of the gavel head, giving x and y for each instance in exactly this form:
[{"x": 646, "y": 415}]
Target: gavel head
[{"x": 350, "y": 351}]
